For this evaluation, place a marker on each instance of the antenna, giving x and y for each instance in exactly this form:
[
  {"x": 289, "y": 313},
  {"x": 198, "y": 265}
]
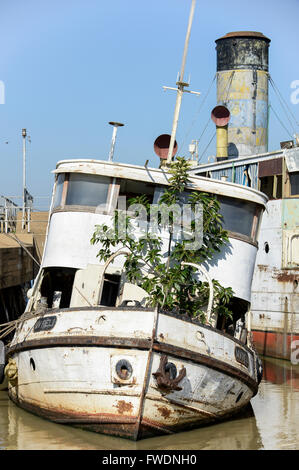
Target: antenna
[
  {"x": 193, "y": 149},
  {"x": 180, "y": 86},
  {"x": 115, "y": 126}
]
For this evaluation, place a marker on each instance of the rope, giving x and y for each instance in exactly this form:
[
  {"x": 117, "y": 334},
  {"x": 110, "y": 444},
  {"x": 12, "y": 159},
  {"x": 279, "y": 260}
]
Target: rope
[
  {"x": 22, "y": 246},
  {"x": 7, "y": 328}
]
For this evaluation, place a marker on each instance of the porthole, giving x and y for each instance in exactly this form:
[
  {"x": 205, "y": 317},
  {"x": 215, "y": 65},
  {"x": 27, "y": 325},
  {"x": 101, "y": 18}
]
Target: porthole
[
  {"x": 266, "y": 247},
  {"x": 124, "y": 369},
  {"x": 170, "y": 370},
  {"x": 32, "y": 364}
]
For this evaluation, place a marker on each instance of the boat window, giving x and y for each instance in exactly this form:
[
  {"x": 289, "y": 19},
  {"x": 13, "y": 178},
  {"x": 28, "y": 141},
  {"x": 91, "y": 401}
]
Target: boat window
[
  {"x": 58, "y": 190},
  {"x": 271, "y": 186},
  {"x": 87, "y": 190},
  {"x": 57, "y": 286},
  {"x": 237, "y": 215},
  {"x": 110, "y": 290},
  {"x": 294, "y": 182},
  {"x": 131, "y": 189}
]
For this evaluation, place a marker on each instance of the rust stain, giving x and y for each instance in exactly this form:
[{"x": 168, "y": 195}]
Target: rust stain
[
  {"x": 165, "y": 412},
  {"x": 124, "y": 407},
  {"x": 286, "y": 277},
  {"x": 161, "y": 335}
]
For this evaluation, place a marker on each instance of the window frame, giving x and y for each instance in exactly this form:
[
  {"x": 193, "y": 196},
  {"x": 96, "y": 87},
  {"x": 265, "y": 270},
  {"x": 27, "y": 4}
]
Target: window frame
[{"x": 111, "y": 200}]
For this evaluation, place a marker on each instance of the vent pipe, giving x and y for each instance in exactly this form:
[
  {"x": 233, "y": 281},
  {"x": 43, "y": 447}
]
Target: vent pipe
[{"x": 221, "y": 116}]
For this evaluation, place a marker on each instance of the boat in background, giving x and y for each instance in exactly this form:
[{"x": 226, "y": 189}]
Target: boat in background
[
  {"x": 242, "y": 157},
  {"x": 275, "y": 291}
]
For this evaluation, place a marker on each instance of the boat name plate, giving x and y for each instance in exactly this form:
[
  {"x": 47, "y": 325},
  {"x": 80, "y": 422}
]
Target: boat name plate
[
  {"x": 45, "y": 324},
  {"x": 241, "y": 356}
]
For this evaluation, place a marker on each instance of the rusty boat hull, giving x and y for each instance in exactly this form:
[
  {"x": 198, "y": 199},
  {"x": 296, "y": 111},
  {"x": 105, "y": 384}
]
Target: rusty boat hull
[{"x": 129, "y": 372}]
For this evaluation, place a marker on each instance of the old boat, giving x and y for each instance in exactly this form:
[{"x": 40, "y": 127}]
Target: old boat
[
  {"x": 275, "y": 294},
  {"x": 89, "y": 353},
  {"x": 242, "y": 120}
]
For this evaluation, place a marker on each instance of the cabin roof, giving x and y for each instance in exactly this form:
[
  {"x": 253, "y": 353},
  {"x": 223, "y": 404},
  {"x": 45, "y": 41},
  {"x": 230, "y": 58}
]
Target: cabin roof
[
  {"x": 238, "y": 161},
  {"x": 159, "y": 177}
]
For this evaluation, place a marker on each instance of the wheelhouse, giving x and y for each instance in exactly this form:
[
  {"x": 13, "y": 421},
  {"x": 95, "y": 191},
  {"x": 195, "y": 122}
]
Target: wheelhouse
[{"x": 87, "y": 193}]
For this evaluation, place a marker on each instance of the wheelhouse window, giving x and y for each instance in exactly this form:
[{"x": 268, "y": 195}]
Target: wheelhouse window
[
  {"x": 58, "y": 191},
  {"x": 82, "y": 190},
  {"x": 238, "y": 216},
  {"x": 294, "y": 183},
  {"x": 87, "y": 190}
]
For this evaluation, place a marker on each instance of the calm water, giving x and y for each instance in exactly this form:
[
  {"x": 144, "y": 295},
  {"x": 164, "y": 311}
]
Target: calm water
[{"x": 273, "y": 424}]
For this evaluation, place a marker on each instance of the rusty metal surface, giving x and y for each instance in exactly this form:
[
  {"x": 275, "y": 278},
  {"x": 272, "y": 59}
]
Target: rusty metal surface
[
  {"x": 125, "y": 426},
  {"x": 242, "y": 52},
  {"x": 238, "y": 34},
  {"x": 79, "y": 341},
  {"x": 75, "y": 367},
  {"x": 164, "y": 381},
  {"x": 140, "y": 344},
  {"x": 270, "y": 167},
  {"x": 208, "y": 361}
]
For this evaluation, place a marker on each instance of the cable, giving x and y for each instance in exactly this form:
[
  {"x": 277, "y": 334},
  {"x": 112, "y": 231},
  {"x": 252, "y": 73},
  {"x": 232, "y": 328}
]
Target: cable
[
  {"x": 197, "y": 113},
  {"x": 282, "y": 124},
  {"x": 208, "y": 145},
  {"x": 283, "y": 105},
  {"x": 289, "y": 109}
]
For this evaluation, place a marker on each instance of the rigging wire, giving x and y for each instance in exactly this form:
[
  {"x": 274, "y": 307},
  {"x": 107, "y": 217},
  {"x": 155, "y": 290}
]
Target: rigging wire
[
  {"x": 282, "y": 124},
  {"x": 197, "y": 113},
  {"x": 209, "y": 119},
  {"x": 208, "y": 145},
  {"x": 284, "y": 105}
]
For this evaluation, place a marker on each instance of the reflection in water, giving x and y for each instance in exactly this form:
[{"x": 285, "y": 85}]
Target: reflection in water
[
  {"x": 276, "y": 406},
  {"x": 271, "y": 423}
]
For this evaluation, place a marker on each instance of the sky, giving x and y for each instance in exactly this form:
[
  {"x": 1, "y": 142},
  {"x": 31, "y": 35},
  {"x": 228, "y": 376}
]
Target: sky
[{"x": 68, "y": 67}]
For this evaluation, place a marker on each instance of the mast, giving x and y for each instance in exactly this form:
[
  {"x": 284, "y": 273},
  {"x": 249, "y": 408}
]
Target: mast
[{"x": 180, "y": 86}]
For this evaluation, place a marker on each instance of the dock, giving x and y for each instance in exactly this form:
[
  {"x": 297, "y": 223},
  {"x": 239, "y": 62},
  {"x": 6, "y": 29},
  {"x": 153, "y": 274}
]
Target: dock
[{"x": 20, "y": 255}]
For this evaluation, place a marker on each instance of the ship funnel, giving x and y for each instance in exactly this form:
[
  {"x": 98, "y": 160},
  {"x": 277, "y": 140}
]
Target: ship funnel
[
  {"x": 221, "y": 116},
  {"x": 161, "y": 148},
  {"x": 242, "y": 86}
]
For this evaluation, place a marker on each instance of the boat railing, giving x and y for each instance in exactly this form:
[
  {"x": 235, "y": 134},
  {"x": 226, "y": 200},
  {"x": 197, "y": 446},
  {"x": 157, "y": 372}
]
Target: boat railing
[{"x": 12, "y": 212}]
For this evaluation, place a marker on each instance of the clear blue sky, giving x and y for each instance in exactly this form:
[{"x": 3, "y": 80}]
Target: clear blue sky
[{"x": 70, "y": 66}]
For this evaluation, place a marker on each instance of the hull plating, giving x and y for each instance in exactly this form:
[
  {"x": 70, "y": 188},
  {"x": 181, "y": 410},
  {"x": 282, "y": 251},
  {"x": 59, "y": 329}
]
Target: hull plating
[{"x": 71, "y": 376}]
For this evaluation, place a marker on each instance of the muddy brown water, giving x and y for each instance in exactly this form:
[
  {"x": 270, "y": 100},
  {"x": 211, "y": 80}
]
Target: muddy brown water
[{"x": 273, "y": 424}]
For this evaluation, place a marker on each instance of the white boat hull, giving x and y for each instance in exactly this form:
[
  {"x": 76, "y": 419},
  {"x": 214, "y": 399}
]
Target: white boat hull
[{"x": 68, "y": 373}]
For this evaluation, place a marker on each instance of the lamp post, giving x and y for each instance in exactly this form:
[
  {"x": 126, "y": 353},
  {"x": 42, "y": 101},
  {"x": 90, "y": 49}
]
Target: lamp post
[{"x": 24, "y": 135}]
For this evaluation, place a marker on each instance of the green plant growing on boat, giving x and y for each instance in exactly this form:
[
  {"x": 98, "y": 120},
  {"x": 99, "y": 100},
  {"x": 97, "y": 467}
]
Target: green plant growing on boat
[{"x": 170, "y": 285}]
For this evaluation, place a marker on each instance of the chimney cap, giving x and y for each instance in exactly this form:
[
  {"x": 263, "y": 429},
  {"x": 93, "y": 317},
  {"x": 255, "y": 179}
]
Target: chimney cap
[{"x": 239, "y": 34}]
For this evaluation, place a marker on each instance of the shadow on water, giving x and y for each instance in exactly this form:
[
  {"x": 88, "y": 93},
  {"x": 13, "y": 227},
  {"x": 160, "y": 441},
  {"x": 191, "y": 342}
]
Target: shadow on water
[{"x": 271, "y": 422}]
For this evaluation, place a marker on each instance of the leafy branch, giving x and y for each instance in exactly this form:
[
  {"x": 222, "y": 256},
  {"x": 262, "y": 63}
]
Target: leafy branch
[{"x": 158, "y": 270}]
